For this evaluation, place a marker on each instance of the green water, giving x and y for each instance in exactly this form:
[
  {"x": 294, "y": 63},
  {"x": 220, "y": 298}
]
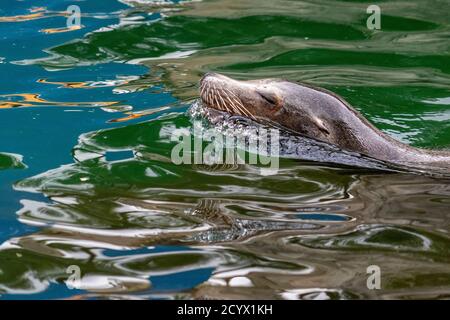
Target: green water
[{"x": 86, "y": 177}]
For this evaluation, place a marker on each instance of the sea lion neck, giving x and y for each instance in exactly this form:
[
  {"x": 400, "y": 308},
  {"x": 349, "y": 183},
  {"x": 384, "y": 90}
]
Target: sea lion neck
[{"x": 347, "y": 128}]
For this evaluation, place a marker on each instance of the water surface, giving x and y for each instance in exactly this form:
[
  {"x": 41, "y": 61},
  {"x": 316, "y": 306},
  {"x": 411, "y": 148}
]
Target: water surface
[{"x": 86, "y": 177}]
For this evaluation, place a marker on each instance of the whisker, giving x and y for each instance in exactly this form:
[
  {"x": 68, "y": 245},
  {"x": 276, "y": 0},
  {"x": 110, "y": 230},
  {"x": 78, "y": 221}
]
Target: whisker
[
  {"x": 236, "y": 105},
  {"x": 215, "y": 94},
  {"x": 244, "y": 111},
  {"x": 232, "y": 104},
  {"x": 204, "y": 94},
  {"x": 209, "y": 95},
  {"x": 202, "y": 89},
  {"x": 215, "y": 97},
  {"x": 223, "y": 102},
  {"x": 223, "y": 99},
  {"x": 240, "y": 106},
  {"x": 239, "y": 102}
]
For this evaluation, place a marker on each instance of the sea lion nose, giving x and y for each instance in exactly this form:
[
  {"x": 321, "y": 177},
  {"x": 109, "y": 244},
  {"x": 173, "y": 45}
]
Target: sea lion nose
[
  {"x": 207, "y": 75},
  {"x": 211, "y": 74}
]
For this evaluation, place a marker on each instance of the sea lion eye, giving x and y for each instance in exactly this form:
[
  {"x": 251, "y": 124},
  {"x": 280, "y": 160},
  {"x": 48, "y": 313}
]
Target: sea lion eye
[
  {"x": 268, "y": 97},
  {"x": 321, "y": 125}
]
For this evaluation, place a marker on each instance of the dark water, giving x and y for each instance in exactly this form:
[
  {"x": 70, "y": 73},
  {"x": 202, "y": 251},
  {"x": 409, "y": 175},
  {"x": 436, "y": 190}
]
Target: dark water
[{"x": 87, "y": 180}]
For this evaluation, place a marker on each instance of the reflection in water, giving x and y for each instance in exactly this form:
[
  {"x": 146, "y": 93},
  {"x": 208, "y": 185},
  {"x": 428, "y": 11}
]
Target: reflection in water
[
  {"x": 59, "y": 30},
  {"x": 139, "y": 226},
  {"x": 34, "y": 100},
  {"x": 91, "y": 84},
  {"x": 11, "y": 161},
  {"x": 36, "y": 13},
  {"x": 290, "y": 235},
  {"x": 139, "y": 114}
]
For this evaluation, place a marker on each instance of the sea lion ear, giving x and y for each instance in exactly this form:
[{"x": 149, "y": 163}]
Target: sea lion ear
[{"x": 319, "y": 123}]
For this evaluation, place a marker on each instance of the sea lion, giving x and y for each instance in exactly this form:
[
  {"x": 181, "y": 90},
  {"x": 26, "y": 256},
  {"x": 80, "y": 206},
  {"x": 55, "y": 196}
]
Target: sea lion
[{"x": 312, "y": 112}]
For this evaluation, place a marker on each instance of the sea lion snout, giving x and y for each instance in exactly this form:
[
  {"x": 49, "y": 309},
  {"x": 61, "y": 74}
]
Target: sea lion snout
[
  {"x": 223, "y": 93},
  {"x": 252, "y": 99},
  {"x": 213, "y": 76},
  {"x": 206, "y": 75}
]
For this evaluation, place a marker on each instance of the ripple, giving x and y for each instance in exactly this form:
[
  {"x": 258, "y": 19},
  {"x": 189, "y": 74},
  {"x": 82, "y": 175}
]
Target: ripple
[
  {"x": 376, "y": 237},
  {"x": 140, "y": 227},
  {"x": 316, "y": 294}
]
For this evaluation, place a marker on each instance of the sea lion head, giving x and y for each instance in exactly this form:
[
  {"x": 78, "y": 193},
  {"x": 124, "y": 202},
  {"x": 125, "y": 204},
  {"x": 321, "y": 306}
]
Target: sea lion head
[{"x": 309, "y": 111}]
